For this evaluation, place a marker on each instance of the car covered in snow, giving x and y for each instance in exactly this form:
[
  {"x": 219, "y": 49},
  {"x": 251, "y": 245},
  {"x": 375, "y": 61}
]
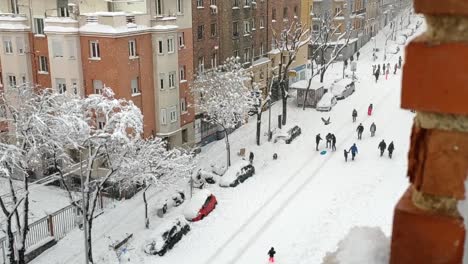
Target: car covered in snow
[
  {"x": 237, "y": 173},
  {"x": 342, "y": 88},
  {"x": 201, "y": 204},
  {"x": 401, "y": 40},
  {"x": 327, "y": 102},
  {"x": 289, "y": 136},
  {"x": 166, "y": 235},
  {"x": 393, "y": 49},
  {"x": 175, "y": 199}
]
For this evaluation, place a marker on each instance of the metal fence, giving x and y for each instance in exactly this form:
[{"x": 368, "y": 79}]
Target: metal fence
[{"x": 56, "y": 225}]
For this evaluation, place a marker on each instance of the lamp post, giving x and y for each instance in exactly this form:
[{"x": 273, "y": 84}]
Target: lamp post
[{"x": 84, "y": 212}]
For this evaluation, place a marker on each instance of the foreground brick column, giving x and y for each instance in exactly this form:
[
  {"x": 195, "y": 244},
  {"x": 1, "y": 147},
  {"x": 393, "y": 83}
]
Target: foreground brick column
[{"x": 427, "y": 227}]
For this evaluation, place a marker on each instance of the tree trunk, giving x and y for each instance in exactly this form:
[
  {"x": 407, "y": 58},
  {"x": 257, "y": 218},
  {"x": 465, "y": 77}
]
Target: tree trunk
[
  {"x": 146, "y": 209},
  {"x": 322, "y": 75},
  {"x": 285, "y": 103},
  {"x": 259, "y": 123},
  {"x": 24, "y": 230},
  {"x": 228, "y": 147},
  {"x": 11, "y": 243},
  {"x": 90, "y": 241}
]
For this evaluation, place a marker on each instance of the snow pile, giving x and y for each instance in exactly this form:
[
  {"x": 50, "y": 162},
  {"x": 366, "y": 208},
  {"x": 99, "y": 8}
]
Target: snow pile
[
  {"x": 231, "y": 174},
  {"x": 193, "y": 207},
  {"x": 361, "y": 245}
]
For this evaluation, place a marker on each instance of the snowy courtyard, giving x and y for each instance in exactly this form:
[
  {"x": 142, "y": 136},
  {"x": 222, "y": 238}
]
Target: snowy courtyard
[{"x": 302, "y": 204}]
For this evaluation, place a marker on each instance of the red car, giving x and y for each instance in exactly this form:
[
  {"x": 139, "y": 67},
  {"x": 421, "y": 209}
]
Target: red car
[{"x": 201, "y": 204}]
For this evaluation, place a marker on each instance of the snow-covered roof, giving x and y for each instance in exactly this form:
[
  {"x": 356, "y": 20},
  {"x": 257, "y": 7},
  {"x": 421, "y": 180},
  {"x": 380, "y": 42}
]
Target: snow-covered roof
[
  {"x": 195, "y": 204},
  {"x": 105, "y": 14},
  {"x": 60, "y": 20},
  {"x": 60, "y": 25},
  {"x": 302, "y": 85}
]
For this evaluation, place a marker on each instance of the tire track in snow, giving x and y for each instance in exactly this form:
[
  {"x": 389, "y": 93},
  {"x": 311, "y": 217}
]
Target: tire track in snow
[{"x": 289, "y": 198}]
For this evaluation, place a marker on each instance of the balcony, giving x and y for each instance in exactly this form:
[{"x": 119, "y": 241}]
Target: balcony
[
  {"x": 62, "y": 25},
  {"x": 13, "y": 22},
  {"x": 113, "y": 23}
]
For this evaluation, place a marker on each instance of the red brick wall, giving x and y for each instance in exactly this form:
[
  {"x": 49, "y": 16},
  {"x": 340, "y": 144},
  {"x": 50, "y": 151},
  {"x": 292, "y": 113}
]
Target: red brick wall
[
  {"x": 39, "y": 47},
  {"x": 279, "y": 24},
  {"x": 116, "y": 70},
  {"x": 186, "y": 59}
]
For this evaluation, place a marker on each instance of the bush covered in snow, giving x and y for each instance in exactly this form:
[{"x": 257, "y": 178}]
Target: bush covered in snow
[{"x": 361, "y": 245}]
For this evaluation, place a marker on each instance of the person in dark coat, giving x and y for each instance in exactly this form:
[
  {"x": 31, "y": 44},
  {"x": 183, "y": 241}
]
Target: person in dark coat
[
  {"x": 333, "y": 142},
  {"x": 275, "y": 156},
  {"x": 251, "y": 157},
  {"x": 354, "y": 115},
  {"x": 395, "y": 69},
  {"x": 317, "y": 141},
  {"x": 376, "y": 74},
  {"x": 271, "y": 254},
  {"x": 373, "y": 128},
  {"x": 378, "y": 67},
  {"x": 353, "y": 151},
  {"x": 359, "y": 130},
  {"x": 357, "y": 55},
  {"x": 390, "y": 148},
  {"x": 328, "y": 140},
  {"x": 346, "y": 155},
  {"x": 399, "y": 62},
  {"x": 382, "y": 147},
  {"x": 383, "y": 67}
]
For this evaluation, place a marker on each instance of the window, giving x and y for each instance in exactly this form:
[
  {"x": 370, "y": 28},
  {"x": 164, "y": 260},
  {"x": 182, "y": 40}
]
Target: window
[
  {"x": 337, "y": 11},
  {"x": 247, "y": 2},
  {"x": 183, "y": 105},
  {"x": 236, "y": 54},
  {"x": 213, "y": 30},
  {"x": 170, "y": 45},
  {"x": 11, "y": 81},
  {"x": 160, "y": 47},
  {"x": 180, "y": 6},
  {"x": 200, "y": 31},
  {"x": 20, "y": 45},
  {"x": 184, "y": 136},
  {"x": 161, "y": 81},
  {"x": 132, "y": 53},
  {"x": 182, "y": 73},
  {"x": 163, "y": 116},
  {"x": 23, "y": 79},
  {"x": 159, "y": 8},
  {"x": 199, "y": 3},
  {"x": 172, "y": 80},
  {"x": 253, "y": 24},
  {"x": 134, "y": 85},
  {"x": 75, "y": 86},
  {"x": 246, "y": 27},
  {"x": 57, "y": 48},
  {"x": 285, "y": 12},
  {"x": 315, "y": 27},
  {"x": 246, "y": 55},
  {"x": 181, "y": 40},
  {"x": 295, "y": 10},
  {"x": 262, "y": 49},
  {"x": 201, "y": 64},
  {"x": 61, "y": 85},
  {"x": 8, "y": 46},
  {"x": 43, "y": 66},
  {"x": 236, "y": 3},
  {"x": 94, "y": 49},
  {"x": 39, "y": 26},
  {"x": 62, "y": 8},
  {"x": 235, "y": 29},
  {"x": 273, "y": 13},
  {"x": 97, "y": 86},
  {"x": 101, "y": 125},
  {"x": 213, "y": 7},
  {"x": 173, "y": 113},
  {"x": 214, "y": 60},
  {"x": 71, "y": 49}
]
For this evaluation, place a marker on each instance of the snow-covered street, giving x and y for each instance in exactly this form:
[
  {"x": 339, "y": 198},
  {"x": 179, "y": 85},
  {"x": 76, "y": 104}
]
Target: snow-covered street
[{"x": 302, "y": 204}]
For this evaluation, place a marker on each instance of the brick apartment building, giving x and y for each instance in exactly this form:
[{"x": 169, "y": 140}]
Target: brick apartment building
[{"x": 142, "y": 50}]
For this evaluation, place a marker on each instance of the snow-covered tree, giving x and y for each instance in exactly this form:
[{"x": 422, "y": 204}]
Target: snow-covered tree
[
  {"x": 151, "y": 163},
  {"x": 287, "y": 43},
  {"x": 40, "y": 124},
  {"x": 223, "y": 97}
]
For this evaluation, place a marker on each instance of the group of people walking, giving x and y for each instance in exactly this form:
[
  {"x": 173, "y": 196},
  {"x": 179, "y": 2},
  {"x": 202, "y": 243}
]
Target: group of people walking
[
  {"x": 330, "y": 139},
  {"x": 383, "y": 146},
  {"x": 376, "y": 69}
]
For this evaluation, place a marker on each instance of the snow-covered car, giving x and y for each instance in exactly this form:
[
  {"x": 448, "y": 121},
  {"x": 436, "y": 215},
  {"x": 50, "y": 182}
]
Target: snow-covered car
[
  {"x": 289, "y": 136},
  {"x": 407, "y": 32},
  {"x": 176, "y": 199},
  {"x": 166, "y": 235},
  {"x": 393, "y": 49},
  {"x": 237, "y": 173},
  {"x": 327, "y": 102},
  {"x": 401, "y": 40},
  {"x": 342, "y": 88},
  {"x": 206, "y": 176},
  {"x": 201, "y": 204}
]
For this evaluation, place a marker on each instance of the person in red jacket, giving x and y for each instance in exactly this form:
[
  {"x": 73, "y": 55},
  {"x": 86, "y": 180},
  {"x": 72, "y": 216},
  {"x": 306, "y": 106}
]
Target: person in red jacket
[{"x": 369, "y": 110}]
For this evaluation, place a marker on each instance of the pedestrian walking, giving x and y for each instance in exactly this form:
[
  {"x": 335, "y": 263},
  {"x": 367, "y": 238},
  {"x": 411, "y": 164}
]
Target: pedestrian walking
[
  {"x": 251, "y": 157},
  {"x": 395, "y": 69},
  {"x": 383, "y": 67},
  {"x": 354, "y": 115},
  {"x": 373, "y": 69},
  {"x": 333, "y": 142},
  {"x": 382, "y": 146},
  {"x": 388, "y": 65},
  {"x": 359, "y": 130},
  {"x": 353, "y": 151},
  {"x": 317, "y": 141},
  {"x": 391, "y": 148},
  {"x": 271, "y": 254},
  {"x": 346, "y": 155},
  {"x": 369, "y": 110},
  {"x": 275, "y": 156},
  {"x": 357, "y": 55},
  {"x": 328, "y": 140},
  {"x": 399, "y": 62},
  {"x": 376, "y": 74},
  {"x": 386, "y": 74},
  {"x": 373, "y": 128},
  {"x": 378, "y": 67}
]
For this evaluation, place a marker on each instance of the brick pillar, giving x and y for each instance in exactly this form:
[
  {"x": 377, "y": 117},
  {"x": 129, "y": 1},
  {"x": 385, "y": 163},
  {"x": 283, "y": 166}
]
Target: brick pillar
[{"x": 427, "y": 227}]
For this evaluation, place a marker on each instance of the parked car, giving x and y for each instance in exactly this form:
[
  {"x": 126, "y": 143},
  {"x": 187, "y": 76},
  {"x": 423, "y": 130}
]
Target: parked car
[
  {"x": 176, "y": 199},
  {"x": 393, "y": 49},
  {"x": 237, "y": 173},
  {"x": 206, "y": 176},
  {"x": 342, "y": 88},
  {"x": 327, "y": 102},
  {"x": 201, "y": 204},
  {"x": 289, "y": 136},
  {"x": 401, "y": 40},
  {"x": 166, "y": 235}
]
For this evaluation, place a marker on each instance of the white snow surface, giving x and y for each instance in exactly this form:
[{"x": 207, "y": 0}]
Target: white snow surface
[
  {"x": 195, "y": 204},
  {"x": 303, "y": 203}
]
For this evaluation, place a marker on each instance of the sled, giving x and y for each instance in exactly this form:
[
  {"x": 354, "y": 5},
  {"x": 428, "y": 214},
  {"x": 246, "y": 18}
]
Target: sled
[{"x": 323, "y": 152}]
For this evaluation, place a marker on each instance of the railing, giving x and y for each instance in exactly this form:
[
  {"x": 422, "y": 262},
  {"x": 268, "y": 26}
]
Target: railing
[{"x": 56, "y": 225}]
